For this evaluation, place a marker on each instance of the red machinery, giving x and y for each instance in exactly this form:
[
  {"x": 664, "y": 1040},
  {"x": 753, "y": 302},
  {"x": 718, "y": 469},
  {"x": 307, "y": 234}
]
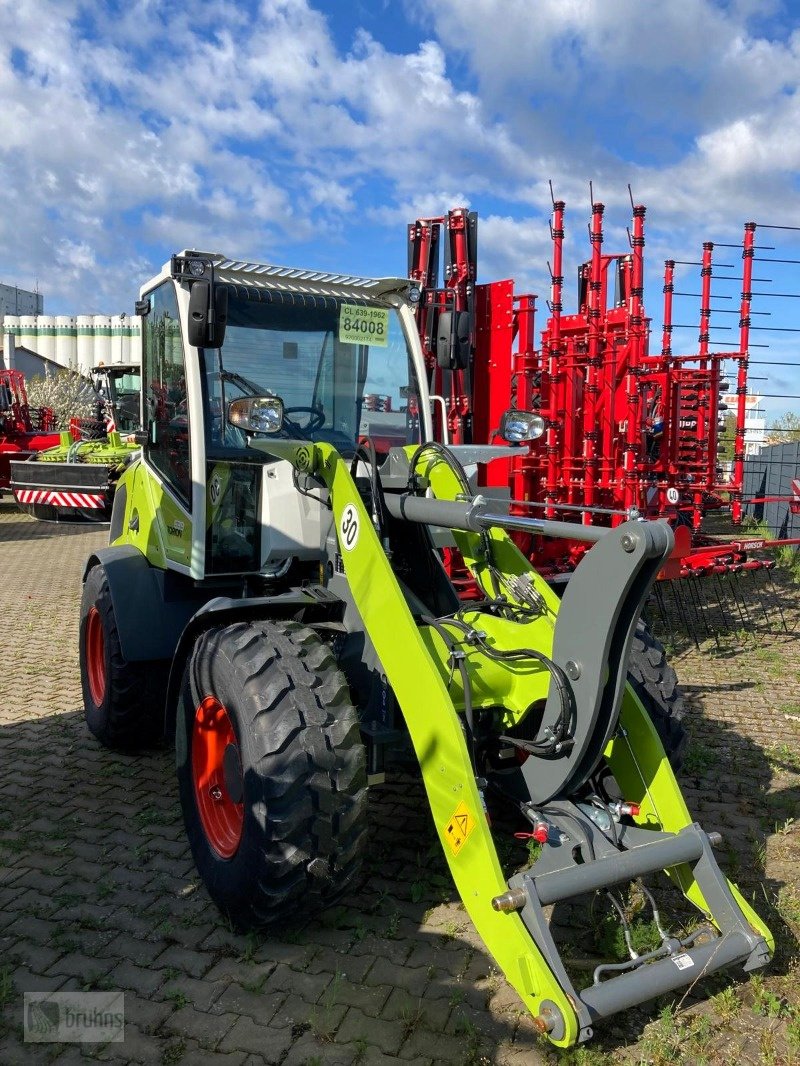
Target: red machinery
[
  {"x": 627, "y": 432},
  {"x": 21, "y": 432}
]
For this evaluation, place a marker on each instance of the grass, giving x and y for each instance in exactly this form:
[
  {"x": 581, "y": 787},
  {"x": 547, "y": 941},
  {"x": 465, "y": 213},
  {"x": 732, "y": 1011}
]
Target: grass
[
  {"x": 7, "y": 989},
  {"x": 324, "y": 1015},
  {"x": 173, "y": 1053},
  {"x": 698, "y": 759}
]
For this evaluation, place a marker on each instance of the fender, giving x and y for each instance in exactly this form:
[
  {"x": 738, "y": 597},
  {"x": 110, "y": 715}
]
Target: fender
[
  {"x": 151, "y": 606},
  {"x": 311, "y": 604}
]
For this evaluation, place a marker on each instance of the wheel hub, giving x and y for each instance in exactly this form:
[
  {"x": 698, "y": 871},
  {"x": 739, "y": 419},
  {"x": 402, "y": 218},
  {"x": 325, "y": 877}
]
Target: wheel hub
[
  {"x": 217, "y": 776},
  {"x": 95, "y": 656},
  {"x": 232, "y": 773}
]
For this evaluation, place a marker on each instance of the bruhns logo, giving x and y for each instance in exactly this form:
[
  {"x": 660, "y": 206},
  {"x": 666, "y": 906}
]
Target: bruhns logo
[
  {"x": 42, "y": 1017},
  {"x": 74, "y": 1017}
]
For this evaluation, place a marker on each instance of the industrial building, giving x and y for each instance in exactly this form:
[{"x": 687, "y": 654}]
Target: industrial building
[{"x": 77, "y": 341}]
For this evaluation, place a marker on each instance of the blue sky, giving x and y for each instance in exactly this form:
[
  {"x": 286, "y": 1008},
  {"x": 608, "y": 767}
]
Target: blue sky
[{"x": 310, "y": 133}]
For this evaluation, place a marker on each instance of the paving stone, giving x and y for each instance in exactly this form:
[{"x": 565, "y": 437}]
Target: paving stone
[
  {"x": 388, "y": 1036},
  {"x": 326, "y": 960},
  {"x": 422, "y": 1044},
  {"x": 35, "y": 956},
  {"x": 27, "y": 981},
  {"x": 368, "y": 998},
  {"x": 260, "y": 1006},
  {"x": 146, "y": 1014},
  {"x": 201, "y": 994},
  {"x": 137, "y": 978},
  {"x": 413, "y": 979},
  {"x": 269, "y": 1043},
  {"x": 308, "y": 986},
  {"x": 133, "y": 949},
  {"x": 135, "y": 1047},
  {"x": 206, "y": 1029},
  {"x": 422, "y": 1011},
  {"x": 246, "y": 973},
  {"x": 81, "y": 966},
  {"x": 324, "y": 1017},
  {"x": 193, "y": 963},
  {"x": 194, "y": 1053},
  {"x": 308, "y": 1049}
]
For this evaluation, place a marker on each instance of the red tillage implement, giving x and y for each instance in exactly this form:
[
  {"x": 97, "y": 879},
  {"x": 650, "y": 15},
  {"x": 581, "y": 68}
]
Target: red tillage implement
[
  {"x": 626, "y": 432},
  {"x": 22, "y": 432}
]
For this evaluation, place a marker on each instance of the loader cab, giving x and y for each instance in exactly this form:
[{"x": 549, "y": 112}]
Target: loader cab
[{"x": 342, "y": 354}]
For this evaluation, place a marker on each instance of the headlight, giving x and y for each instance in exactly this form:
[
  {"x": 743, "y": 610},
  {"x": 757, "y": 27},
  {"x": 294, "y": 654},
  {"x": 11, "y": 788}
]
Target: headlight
[
  {"x": 257, "y": 414},
  {"x": 519, "y": 426}
]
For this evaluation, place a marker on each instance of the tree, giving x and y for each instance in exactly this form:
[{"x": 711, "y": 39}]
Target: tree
[
  {"x": 784, "y": 430},
  {"x": 727, "y": 437},
  {"x": 67, "y": 392}
]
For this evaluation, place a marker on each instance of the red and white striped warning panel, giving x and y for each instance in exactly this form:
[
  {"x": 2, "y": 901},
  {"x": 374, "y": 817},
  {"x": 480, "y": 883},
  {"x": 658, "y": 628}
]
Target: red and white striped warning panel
[
  {"x": 60, "y": 499},
  {"x": 796, "y": 488}
]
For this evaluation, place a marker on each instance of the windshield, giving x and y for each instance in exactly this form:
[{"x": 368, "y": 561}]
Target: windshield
[{"x": 342, "y": 369}]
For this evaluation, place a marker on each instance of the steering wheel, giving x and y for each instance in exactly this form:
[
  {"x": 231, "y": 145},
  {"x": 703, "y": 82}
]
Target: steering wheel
[{"x": 316, "y": 417}]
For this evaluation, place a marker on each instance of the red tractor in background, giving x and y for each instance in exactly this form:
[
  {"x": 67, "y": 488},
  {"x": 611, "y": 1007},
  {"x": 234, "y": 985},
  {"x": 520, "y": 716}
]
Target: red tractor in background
[
  {"x": 626, "y": 433},
  {"x": 22, "y": 432}
]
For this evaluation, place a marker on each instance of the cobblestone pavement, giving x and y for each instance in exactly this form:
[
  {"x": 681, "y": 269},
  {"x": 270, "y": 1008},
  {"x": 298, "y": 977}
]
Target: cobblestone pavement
[{"x": 98, "y": 889}]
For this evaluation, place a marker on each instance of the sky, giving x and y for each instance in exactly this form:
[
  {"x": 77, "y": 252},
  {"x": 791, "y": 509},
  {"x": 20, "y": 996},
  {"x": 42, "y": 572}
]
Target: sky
[{"x": 310, "y": 134}]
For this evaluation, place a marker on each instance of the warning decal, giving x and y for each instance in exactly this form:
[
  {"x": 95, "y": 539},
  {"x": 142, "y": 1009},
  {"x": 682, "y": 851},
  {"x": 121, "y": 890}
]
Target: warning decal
[{"x": 459, "y": 828}]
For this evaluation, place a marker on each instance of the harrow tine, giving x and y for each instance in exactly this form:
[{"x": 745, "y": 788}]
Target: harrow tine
[
  {"x": 776, "y": 599},
  {"x": 677, "y": 597},
  {"x": 697, "y": 598},
  {"x": 759, "y": 588},
  {"x": 663, "y": 613},
  {"x": 725, "y": 622},
  {"x": 741, "y": 604}
]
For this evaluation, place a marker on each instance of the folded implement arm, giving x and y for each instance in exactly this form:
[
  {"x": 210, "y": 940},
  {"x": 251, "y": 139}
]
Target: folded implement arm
[{"x": 524, "y": 657}]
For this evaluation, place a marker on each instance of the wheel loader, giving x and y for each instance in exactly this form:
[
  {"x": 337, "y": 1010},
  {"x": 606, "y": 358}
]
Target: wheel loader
[{"x": 273, "y": 598}]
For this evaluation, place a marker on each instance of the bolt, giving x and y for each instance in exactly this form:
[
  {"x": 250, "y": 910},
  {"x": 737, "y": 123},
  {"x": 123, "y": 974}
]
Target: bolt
[
  {"x": 216, "y": 793},
  {"x": 627, "y": 542},
  {"x": 513, "y": 900},
  {"x": 544, "y": 1022},
  {"x": 572, "y": 670},
  {"x": 715, "y": 839}
]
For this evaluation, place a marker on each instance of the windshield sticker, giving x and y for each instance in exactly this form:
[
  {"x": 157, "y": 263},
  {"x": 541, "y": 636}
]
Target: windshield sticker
[{"x": 364, "y": 325}]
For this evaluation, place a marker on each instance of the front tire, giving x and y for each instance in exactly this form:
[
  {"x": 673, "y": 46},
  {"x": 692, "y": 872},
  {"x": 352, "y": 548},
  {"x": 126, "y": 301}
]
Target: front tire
[
  {"x": 123, "y": 701},
  {"x": 271, "y": 771}
]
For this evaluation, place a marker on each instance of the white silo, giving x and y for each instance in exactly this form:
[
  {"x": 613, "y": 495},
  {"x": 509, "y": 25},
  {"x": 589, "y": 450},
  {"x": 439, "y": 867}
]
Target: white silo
[
  {"x": 135, "y": 326},
  {"x": 27, "y": 335},
  {"x": 66, "y": 341},
  {"x": 85, "y": 342},
  {"x": 46, "y": 336},
  {"x": 102, "y": 339}
]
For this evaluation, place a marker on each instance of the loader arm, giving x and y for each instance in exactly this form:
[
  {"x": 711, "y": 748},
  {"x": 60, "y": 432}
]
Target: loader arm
[{"x": 591, "y": 660}]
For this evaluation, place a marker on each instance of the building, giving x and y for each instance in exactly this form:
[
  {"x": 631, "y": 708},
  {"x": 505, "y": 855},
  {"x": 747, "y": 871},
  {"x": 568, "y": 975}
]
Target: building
[
  {"x": 755, "y": 424},
  {"x": 16, "y": 301},
  {"x": 77, "y": 341}
]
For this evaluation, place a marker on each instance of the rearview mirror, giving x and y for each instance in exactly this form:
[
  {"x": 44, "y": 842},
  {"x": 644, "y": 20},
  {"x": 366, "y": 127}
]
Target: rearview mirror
[
  {"x": 257, "y": 414},
  {"x": 517, "y": 427},
  {"x": 452, "y": 340},
  {"x": 206, "y": 326}
]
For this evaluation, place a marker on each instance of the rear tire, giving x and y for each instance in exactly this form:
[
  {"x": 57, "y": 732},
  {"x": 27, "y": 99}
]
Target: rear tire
[
  {"x": 271, "y": 772},
  {"x": 656, "y": 684},
  {"x": 123, "y": 701}
]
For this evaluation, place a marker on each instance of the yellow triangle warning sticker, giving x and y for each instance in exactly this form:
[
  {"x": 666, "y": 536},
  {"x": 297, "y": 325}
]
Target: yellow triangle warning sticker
[{"x": 459, "y": 828}]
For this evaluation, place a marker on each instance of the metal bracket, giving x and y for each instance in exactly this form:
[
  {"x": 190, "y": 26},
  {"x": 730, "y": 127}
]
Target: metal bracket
[{"x": 593, "y": 636}]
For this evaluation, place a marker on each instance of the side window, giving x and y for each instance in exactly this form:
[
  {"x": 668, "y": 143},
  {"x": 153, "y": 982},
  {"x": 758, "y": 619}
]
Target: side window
[
  {"x": 166, "y": 409},
  {"x": 390, "y": 407}
]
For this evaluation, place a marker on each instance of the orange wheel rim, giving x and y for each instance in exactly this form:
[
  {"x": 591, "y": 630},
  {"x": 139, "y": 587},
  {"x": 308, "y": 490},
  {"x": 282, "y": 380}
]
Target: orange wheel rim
[
  {"x": 95, "y": 656},
  {"x": 217, "y": 776}
]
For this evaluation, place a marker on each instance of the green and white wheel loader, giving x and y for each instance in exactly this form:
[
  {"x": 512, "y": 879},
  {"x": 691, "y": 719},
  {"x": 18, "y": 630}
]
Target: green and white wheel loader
[{"x": 273, "y": 596}]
